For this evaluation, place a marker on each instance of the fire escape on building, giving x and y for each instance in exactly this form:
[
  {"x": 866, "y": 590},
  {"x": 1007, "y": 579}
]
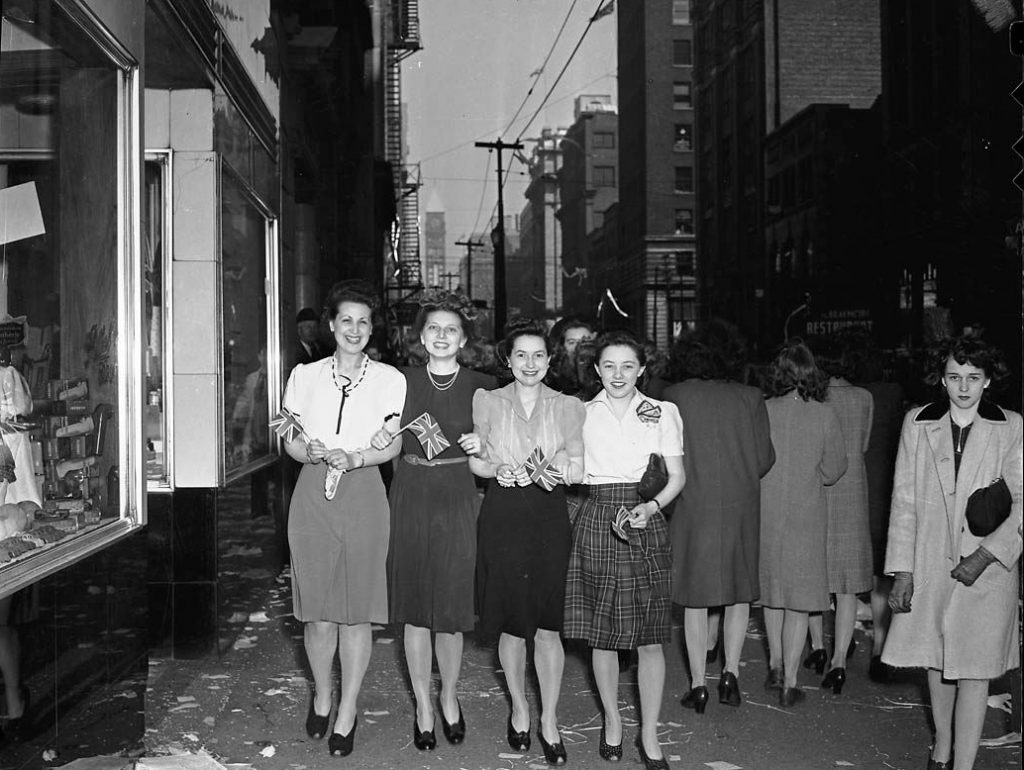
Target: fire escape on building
[{"x": 404, "y": 271}]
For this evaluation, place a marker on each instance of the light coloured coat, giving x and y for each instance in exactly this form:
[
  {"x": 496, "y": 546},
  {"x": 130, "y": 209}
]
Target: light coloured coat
[{"x": 967, "y": 632}]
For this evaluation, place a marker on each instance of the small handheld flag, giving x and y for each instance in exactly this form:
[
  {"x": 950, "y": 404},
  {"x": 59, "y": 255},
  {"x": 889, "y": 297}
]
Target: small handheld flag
[
  {"x": 541, "y": 472},
  {"x": 287, "y": 425},
  {"x": 429, "y": 434}
]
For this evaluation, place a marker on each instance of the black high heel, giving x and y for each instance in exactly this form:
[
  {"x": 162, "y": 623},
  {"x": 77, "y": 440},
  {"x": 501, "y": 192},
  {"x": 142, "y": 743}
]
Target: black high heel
[
  {"x": 712, "y": 655},
  {"x": 423, "y": 740},
  {"x": 650, "y": 764},
  {"x": 554, "y": 753},
  {"x": 608, "y": 752},
  {"x": 339, "y": 745},
  {"x": 518, "y": 741},
  {"x": 316, "y": 725},
  {"x": 729, "y": 689},
  {"x": 790, "y": 696},
  {"x": 774, "y": 680},
  {"x": 879, "y": 671},
  {"x": 696, "y": 699},
  {"x": 455, "y": 733},
  {"x": 17, "y": 726},
  {"x": 835, "y": 679},
  {"x": 817, "y": 660}
]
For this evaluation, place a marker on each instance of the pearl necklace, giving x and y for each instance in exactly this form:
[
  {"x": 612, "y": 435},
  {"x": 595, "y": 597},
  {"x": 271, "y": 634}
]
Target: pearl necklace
[{"x": 446, "y": 385}]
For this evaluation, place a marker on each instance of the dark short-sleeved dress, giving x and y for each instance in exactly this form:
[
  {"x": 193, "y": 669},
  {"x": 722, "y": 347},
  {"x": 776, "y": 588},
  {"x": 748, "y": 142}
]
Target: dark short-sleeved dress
[
  {"x": 434, "y": 509},
  {"x": 524, "y": 533},
  {"x": 339, "y": 547}
]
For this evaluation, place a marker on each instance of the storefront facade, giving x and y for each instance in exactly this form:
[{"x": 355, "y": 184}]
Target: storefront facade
[{"x": 140, "y": 330}]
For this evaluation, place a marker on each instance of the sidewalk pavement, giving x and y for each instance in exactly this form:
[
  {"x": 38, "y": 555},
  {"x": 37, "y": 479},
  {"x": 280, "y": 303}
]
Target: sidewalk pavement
[{"x": 249, "y": 704}]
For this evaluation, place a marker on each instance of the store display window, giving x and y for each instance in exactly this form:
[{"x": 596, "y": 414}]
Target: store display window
[
  {"x": 156, "y": 303},
  {"x": 70, "y": 479}
]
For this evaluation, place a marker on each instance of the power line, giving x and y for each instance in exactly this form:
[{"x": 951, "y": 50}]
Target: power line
[
  {"x": 590, "y": 23},
  {"x": 483, "y": 193},
  {"x": 543, "y": 66}
]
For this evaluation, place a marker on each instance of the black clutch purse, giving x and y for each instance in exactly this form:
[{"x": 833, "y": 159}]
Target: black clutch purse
[
  {"x": 655, "y": 477},
  {"x": 988, "y": 507}
]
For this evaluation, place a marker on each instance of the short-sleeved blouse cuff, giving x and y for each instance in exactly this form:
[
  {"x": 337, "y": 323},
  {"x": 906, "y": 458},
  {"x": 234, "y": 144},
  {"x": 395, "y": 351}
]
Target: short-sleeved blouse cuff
[
  {"x": 671, "y": 439},
  {"x": 481, "y": 415}
]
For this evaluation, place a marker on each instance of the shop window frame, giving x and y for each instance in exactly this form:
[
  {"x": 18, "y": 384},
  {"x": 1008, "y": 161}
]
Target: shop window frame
[
  {"x": 272, "y": 310},
  {"x": 165, "y": 158},
  {"x": 132, "y": 488}
]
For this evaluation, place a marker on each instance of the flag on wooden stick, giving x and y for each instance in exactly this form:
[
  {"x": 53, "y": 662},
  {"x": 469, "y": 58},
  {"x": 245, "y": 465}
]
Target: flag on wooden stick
[{"x": 287, "y": 425}]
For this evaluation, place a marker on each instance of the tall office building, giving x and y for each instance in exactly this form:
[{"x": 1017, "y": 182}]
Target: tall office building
[
  {"x": 539, "y": 263},
  {"x": 657, "y": 280},
  {"x": 434, "y": 241}
]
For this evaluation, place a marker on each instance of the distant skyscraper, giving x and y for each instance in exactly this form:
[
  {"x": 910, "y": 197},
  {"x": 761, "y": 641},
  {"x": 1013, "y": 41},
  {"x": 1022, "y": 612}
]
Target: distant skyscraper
[{"x": 434, "y": 241}]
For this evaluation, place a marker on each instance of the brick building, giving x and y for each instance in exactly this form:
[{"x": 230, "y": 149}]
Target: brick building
[
  {"x": 757, "y": 64},
  {"x": 656, "y": 277}
]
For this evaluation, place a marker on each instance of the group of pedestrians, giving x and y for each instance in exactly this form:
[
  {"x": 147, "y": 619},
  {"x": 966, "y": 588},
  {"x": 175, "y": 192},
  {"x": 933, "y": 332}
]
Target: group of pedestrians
[{"x": 580, "y": 534}]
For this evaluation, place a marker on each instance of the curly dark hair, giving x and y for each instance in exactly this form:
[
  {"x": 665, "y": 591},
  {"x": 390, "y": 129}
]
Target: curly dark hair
[
  {"x": 522, "y": 326},
  {"x": 715, "y": 351},
  {"x": 794, "y": 368},
  {"x": 967, "y": 350},
  {"x": 450, "y": 301},
  {"x": 351, "y": 291}
]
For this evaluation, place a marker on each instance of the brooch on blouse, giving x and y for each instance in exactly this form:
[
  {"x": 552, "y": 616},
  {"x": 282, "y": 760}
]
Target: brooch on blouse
[{"x": 648, "y": 413}]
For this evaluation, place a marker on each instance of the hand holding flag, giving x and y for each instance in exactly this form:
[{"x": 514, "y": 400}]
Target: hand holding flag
[
  {"x": 287, "y": 426},
  {"x": 429, "y": 433},
  {"x": 541, "y": 471}
]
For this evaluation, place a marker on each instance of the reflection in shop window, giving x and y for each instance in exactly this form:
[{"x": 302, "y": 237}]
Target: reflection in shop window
[
  {"x": 244, "y": 244},
  {"x": 155, "y": 253},
  {"x": 63, "y": 117}
]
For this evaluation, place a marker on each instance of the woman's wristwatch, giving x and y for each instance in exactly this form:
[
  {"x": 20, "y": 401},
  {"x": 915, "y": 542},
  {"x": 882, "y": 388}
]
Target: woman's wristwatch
[{"x": 362, "y": 459}]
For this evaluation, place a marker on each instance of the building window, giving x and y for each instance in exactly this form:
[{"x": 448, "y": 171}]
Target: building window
[
  {"x": 604, "y": 176},
  {"x": 684, "y": 179},
  {"x": 603, "y": 140},
  {"x": 684, "y": 221},
  {"x": 681, "y": 96},
  {"x": 683, "y": 141},
  {"x": 680, "y": 11},
  {"x": 682, "y": 53}
]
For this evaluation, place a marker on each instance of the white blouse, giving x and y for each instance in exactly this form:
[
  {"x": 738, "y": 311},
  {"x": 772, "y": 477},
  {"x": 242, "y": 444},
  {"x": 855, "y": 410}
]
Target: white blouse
[
  {"x": 617, "y": 451},
  {"x": 313, "y": 397}
]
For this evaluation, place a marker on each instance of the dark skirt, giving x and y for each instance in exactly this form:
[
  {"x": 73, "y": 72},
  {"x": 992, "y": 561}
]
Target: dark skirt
[
  {"x": 618, "y": 595},
  {"x": 432, "y": 559},
  {"x": 521, "y": 561},
  {"x": 339, "y": 547}
]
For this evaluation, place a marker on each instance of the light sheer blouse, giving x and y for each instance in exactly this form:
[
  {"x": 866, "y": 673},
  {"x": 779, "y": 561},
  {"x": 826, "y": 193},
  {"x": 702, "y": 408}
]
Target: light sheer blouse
[
  {"x": 617, "y": 450},
  {"x": 509, "y": 436}
]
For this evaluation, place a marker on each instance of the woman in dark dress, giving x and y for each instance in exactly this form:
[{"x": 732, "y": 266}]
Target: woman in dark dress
[
  {"x": 619, "y": 586},
  {"x": 524, "y": 527},
  {"x": 338, "y": 517},
  {"x": 433, "y": 515}
]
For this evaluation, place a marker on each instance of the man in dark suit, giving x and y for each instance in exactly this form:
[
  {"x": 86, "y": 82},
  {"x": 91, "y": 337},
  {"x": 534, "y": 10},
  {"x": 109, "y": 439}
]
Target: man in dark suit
[{"x": 307, "y": 326}]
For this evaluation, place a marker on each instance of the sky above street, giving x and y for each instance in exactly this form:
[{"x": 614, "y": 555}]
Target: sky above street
[{"x": 470, "y": 78}]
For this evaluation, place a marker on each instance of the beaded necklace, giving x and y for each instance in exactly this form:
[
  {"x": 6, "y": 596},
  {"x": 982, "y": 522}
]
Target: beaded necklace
[{"x": 346, "y": 387}]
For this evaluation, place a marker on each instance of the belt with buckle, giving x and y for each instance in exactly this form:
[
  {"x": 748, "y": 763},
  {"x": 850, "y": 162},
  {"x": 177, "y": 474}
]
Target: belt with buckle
[{"x": 417, "y": 460}]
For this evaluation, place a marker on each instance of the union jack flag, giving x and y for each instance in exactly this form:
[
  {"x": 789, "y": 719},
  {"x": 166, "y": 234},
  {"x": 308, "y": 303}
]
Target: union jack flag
[
  {"x": 287, "y": 425},
  {"x": 429, "y": 434},
  {"x": 540, "y": 470}
]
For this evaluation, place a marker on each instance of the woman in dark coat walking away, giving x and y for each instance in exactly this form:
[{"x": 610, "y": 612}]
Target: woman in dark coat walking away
[
  {"x": 809, "y": 455},
  {"x": 715, "y": 527}
]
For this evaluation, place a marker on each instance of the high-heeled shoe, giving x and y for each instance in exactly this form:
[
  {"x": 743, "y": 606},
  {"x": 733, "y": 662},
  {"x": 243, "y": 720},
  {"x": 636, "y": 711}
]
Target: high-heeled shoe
[
  {"x": 455, "y": 733},
  {"x": 790, "y": 696},
  {"x": 774, "y": 680},
  {"x": 712, "y": 655},
  {"x": 934, "y": 764},
  {"x": 835, "y": 679},
  {"x": 15, "y": 727},
  {"x": 696, "y": 699},
  {"x": 878, "y": 671},
  {"x": 729, "y": 689},
  {"x": 424, "y": 740},
  {"x": 554, "y": 753},
  {"x": 316, "y": 725},
  {"x": 518, "y": 741},
  {"x": 817, "y": 660},
  {"x": 609, "y": 752},
  {"x": 339, "y": 745},
  {"x": 650, "y": 764}
]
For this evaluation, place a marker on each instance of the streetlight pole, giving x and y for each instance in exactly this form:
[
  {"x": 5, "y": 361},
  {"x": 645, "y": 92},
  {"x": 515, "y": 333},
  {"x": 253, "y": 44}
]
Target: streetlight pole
[
  {"x": 470, "y": 245},
  {"x": 500, "y": 294}
]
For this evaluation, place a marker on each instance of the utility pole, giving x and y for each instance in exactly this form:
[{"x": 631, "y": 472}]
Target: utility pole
[
  {"x": 448, "y": 278},
  {"x": 470, "y": 245},
  {"x": 500, "y": 295}
]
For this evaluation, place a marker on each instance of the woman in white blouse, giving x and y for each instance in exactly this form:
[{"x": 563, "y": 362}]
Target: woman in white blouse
[
  {"x": 338, "y": 521},
  {"x": 619, "y": 586}
]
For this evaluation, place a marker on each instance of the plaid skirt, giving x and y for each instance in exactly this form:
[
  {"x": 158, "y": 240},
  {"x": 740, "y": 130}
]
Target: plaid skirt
[{"x": 618, "y": 595}]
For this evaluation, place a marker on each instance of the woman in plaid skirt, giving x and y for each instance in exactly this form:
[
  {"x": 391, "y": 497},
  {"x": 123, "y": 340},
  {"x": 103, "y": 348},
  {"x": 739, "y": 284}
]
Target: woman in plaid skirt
[{"x": 619, "y": 587}]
